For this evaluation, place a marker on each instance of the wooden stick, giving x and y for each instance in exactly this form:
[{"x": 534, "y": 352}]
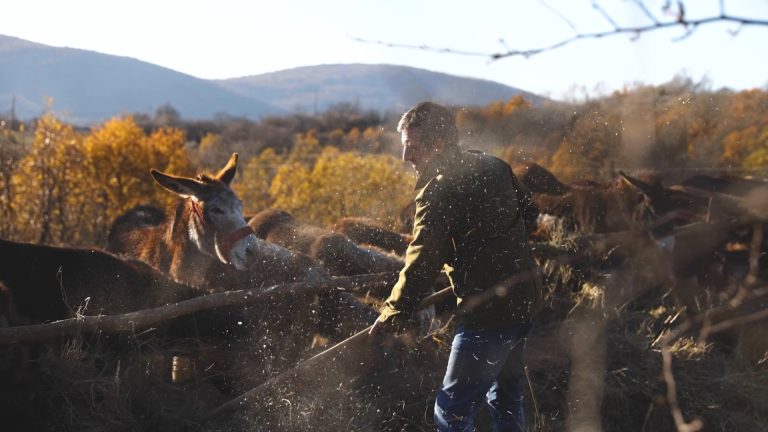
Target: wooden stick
[
  {"x": 143, "y": 319},
  {"x": 354, "y": 356}
]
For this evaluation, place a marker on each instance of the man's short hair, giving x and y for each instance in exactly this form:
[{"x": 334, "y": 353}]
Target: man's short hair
[{"x": 431, "y": 122}]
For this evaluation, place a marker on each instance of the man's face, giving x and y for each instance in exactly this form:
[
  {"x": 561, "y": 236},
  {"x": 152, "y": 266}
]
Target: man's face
[{"x": 416, "y": 150}]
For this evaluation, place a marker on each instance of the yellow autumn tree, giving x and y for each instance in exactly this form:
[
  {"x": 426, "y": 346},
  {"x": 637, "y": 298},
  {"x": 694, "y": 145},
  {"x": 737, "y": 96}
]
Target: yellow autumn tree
[
  {"x": 252, "y": 185},
  {"x": 52, "y": 196},
  {"x": 739, "y": 144},
  {"x": 757, "y": 160},
  {"x": 13, "y": 148},
  {"x": 212, "y": 151},
  {"x": 353, "y": 139},
  {"x": 292, "y": 189},
  {"x": 306, "y": 147},
  {"x": 119, "y": 158},
  {"x": 343, "y": 184},
  {"x": 590, "y": 149}
]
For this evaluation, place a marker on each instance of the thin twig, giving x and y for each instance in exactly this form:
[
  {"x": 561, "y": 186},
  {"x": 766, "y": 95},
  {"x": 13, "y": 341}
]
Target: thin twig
[
  {"x": 640, "y": 4},
  {"x": 605, "y": 15},
  {"x": 669, "y": 378},
  {"x": 537, "y": 423},
  {"x": 736, "y": 322},
  {"x": 719, "y": 317},
  {"x": 632, "y": 30},
  {"x": 754, "y": 253},
  {"x": 559, "y": 15}
]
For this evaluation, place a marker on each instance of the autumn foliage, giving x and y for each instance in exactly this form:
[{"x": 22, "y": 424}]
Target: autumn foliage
[
  {"x": 70, "y": 185},
  {"x": 64, "y": 185},
  {"x": 323, "y": 184}
]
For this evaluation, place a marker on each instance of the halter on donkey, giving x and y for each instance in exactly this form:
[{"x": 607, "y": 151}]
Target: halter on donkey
[
  {"x": 204, "y": 235},
  {"x": 216, "y": 224}
]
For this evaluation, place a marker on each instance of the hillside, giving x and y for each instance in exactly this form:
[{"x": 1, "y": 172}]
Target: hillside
[
  {"x": 379, "y": 87},
  {"x": 87, "y": 86}
]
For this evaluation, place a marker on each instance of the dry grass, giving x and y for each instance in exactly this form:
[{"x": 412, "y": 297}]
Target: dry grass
[{"x": 95, "y": 383}]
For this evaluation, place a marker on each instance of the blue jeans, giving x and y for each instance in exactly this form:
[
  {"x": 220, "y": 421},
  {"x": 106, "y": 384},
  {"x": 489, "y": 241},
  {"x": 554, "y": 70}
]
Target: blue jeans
[{"x": 484, "y": 365}]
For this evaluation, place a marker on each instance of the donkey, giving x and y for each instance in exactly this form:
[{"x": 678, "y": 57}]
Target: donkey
[
  {"x": 205, "y": 241},
  {"x": 203, "y": 236}
]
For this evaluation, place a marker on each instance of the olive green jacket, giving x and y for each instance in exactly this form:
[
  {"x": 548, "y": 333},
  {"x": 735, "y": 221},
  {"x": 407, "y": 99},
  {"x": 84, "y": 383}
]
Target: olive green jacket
[{"x": 467, "y": 217}]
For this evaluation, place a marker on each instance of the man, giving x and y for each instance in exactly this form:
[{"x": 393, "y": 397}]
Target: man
[{"x": 471, "y": 214}]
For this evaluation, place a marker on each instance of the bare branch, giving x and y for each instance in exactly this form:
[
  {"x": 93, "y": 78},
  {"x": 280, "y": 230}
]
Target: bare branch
[
  {"x": 669, "y": 379},
  {"x": 561, "y": 16},
  {"x": 736, "y": 322},
  {"x": 686, "y": 35},
  {"x": 605, "y": 15},
  {"x": 635, "y": 31},
  {"x": 723, "y": 318},
  {"x": 421, "y": 47},
  {"x": 647, "y": 12},
  {"x": 755, "y": 252},
  {"x": 681, "y": 12},
  {"x": 142, "y": 319}
]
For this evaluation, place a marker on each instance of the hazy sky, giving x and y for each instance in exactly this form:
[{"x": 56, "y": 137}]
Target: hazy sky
[{"x": 230, "y": 38}]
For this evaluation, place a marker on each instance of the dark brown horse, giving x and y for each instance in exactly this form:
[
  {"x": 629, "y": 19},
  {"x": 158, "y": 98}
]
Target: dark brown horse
[
  {"x": 341, "y": 313},
  {"x": 50, "y": 283},
  {"x": 203, "y": 235},
  {"x": 43, "y": 283},
  {"x": 338, "y": 254},
  {"x": 612, "y": 207},
  {"x": 368, "y": 232},
  {"x": 539, "y": 180}
]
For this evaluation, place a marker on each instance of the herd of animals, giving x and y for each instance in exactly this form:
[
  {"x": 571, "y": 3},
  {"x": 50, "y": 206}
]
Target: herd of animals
[{"x": 705, "y": 231}]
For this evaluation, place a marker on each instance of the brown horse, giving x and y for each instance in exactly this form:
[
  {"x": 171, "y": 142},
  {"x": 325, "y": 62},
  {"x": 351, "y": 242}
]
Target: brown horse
[
  {"x": 338, "y": 254},
  {"x": 203, "y": 235},
  {"x": 341, "y": 314},
  {"x": 612, "y": 207},
  {"x": 50, "y": 283},
  {"x": 539, "y": 180},
  {"x": 369, "y": 232},
  {"x": 44, "y": 283}
]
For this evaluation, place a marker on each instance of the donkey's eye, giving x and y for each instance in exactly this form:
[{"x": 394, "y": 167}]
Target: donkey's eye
[{"x": 216, "y": 210}]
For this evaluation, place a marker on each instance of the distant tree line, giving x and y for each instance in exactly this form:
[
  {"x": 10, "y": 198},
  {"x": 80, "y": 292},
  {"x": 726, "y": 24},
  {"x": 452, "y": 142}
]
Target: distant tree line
[
  {"x": 678, "y": 126},
  {"x": 64, "y": 185}
]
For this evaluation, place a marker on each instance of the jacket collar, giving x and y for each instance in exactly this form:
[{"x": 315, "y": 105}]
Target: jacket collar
[{"x": 438, "y": 165}]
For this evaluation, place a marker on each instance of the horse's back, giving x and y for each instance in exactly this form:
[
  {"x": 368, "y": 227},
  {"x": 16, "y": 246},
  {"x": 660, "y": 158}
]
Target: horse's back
[{"x": 137, "y": 234}]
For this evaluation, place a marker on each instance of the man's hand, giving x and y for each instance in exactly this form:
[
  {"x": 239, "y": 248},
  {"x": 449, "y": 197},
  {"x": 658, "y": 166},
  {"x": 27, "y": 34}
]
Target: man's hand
[
  {"x": 396, "y": 324},
  {"x": 377, "y": 327}
]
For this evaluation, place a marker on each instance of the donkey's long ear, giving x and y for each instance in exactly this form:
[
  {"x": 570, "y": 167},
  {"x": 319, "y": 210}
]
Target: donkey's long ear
[
  {"x": 183, "y": 186},
  {"x": 228, "y": 172}
]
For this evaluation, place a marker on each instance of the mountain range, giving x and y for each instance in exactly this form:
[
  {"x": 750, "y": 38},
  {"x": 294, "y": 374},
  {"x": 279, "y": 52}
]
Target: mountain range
[{"x": 86, "y": 87}]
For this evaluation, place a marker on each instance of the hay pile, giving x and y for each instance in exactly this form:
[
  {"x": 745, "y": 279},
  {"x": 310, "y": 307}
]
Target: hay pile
[{"x": 594, "y": 362}]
